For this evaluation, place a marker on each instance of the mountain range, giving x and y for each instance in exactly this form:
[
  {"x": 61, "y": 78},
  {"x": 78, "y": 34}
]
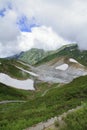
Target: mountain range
[{"x": 38, "y": 56}]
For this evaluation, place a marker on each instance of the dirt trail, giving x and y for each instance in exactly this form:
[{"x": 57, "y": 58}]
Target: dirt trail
[
  {"x": 10, "y": 101},
  {"x": 50, "y": 122},
  {"x": 45, "y": 92}
]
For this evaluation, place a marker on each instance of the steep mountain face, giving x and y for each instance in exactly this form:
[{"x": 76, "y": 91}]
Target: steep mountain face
[{"x": 33, "y": 56}]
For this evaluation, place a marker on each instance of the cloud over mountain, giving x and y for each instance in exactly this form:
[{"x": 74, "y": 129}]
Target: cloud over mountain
[
  {"x": 41, "y": 37},
  {"x": 67, "y": 19}
]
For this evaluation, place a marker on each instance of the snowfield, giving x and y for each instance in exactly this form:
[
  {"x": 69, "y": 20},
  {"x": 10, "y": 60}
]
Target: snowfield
[
  {"x": 73, "y": 60},
  {"x": 20, "y": 84},
  {"x": 62, "y": 67},
  {"x": 31, "y": 73}
]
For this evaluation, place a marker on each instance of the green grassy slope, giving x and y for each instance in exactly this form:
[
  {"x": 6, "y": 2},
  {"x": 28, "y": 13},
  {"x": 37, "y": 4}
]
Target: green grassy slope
[
  {"x": 9, "y": 93},
  {"x": 38, "y": 109}
]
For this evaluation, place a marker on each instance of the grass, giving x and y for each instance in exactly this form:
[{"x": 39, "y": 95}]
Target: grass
[
  {"x": 38, "y": 109},
  {"x": 9, "y": 93},
  {"x": 76, "y": 120}
]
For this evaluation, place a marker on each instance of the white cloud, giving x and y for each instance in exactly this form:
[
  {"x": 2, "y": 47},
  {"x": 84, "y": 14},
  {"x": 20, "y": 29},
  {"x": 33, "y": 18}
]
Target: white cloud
[
  {"x": 9, "y": 49},
  {"x": 8, "y": 28},
  {"x": 40, "y": 37},
  {"x": 68, "y": 19}
]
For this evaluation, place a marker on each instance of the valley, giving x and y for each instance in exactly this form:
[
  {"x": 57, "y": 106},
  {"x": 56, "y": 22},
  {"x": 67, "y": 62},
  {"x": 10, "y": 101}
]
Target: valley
[{"x": 38, "y": 92}]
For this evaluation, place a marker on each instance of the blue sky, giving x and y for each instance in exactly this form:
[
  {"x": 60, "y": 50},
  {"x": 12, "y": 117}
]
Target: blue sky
[
  {"x": 25, "y": 24},
  {"x": 46, "y": 24},
  {"x": 2, "y": 12}
]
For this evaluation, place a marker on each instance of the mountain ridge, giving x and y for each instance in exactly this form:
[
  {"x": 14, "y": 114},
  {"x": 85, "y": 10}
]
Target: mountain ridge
[{"x": 39, "y": 56}]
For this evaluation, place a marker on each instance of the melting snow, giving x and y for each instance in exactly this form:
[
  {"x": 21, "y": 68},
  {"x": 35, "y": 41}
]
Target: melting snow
[
  {"x": 20, "y": 84},
  {"x": 62, "y": 67},
  {"x": 24, "y": 63},
  {"x": 73, "y": 60},
  {"x": 31, "y": 73}
]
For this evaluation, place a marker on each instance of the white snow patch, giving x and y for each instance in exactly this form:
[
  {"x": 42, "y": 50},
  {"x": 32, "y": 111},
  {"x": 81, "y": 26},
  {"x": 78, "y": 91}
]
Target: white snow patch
[
  {"x": 73, "y": 60},
  {"x": 24, "y": 63},
  {"x": 20, "y": 84},
  {"x": 62, "y": 67},
  {"x": 31, "y": 73}
]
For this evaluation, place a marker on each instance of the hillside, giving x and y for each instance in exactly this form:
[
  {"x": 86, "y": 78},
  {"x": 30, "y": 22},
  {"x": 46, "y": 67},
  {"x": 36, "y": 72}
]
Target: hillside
[
  {"x": 33, "y": 94},
  {"x": 54, "y": 103}
]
